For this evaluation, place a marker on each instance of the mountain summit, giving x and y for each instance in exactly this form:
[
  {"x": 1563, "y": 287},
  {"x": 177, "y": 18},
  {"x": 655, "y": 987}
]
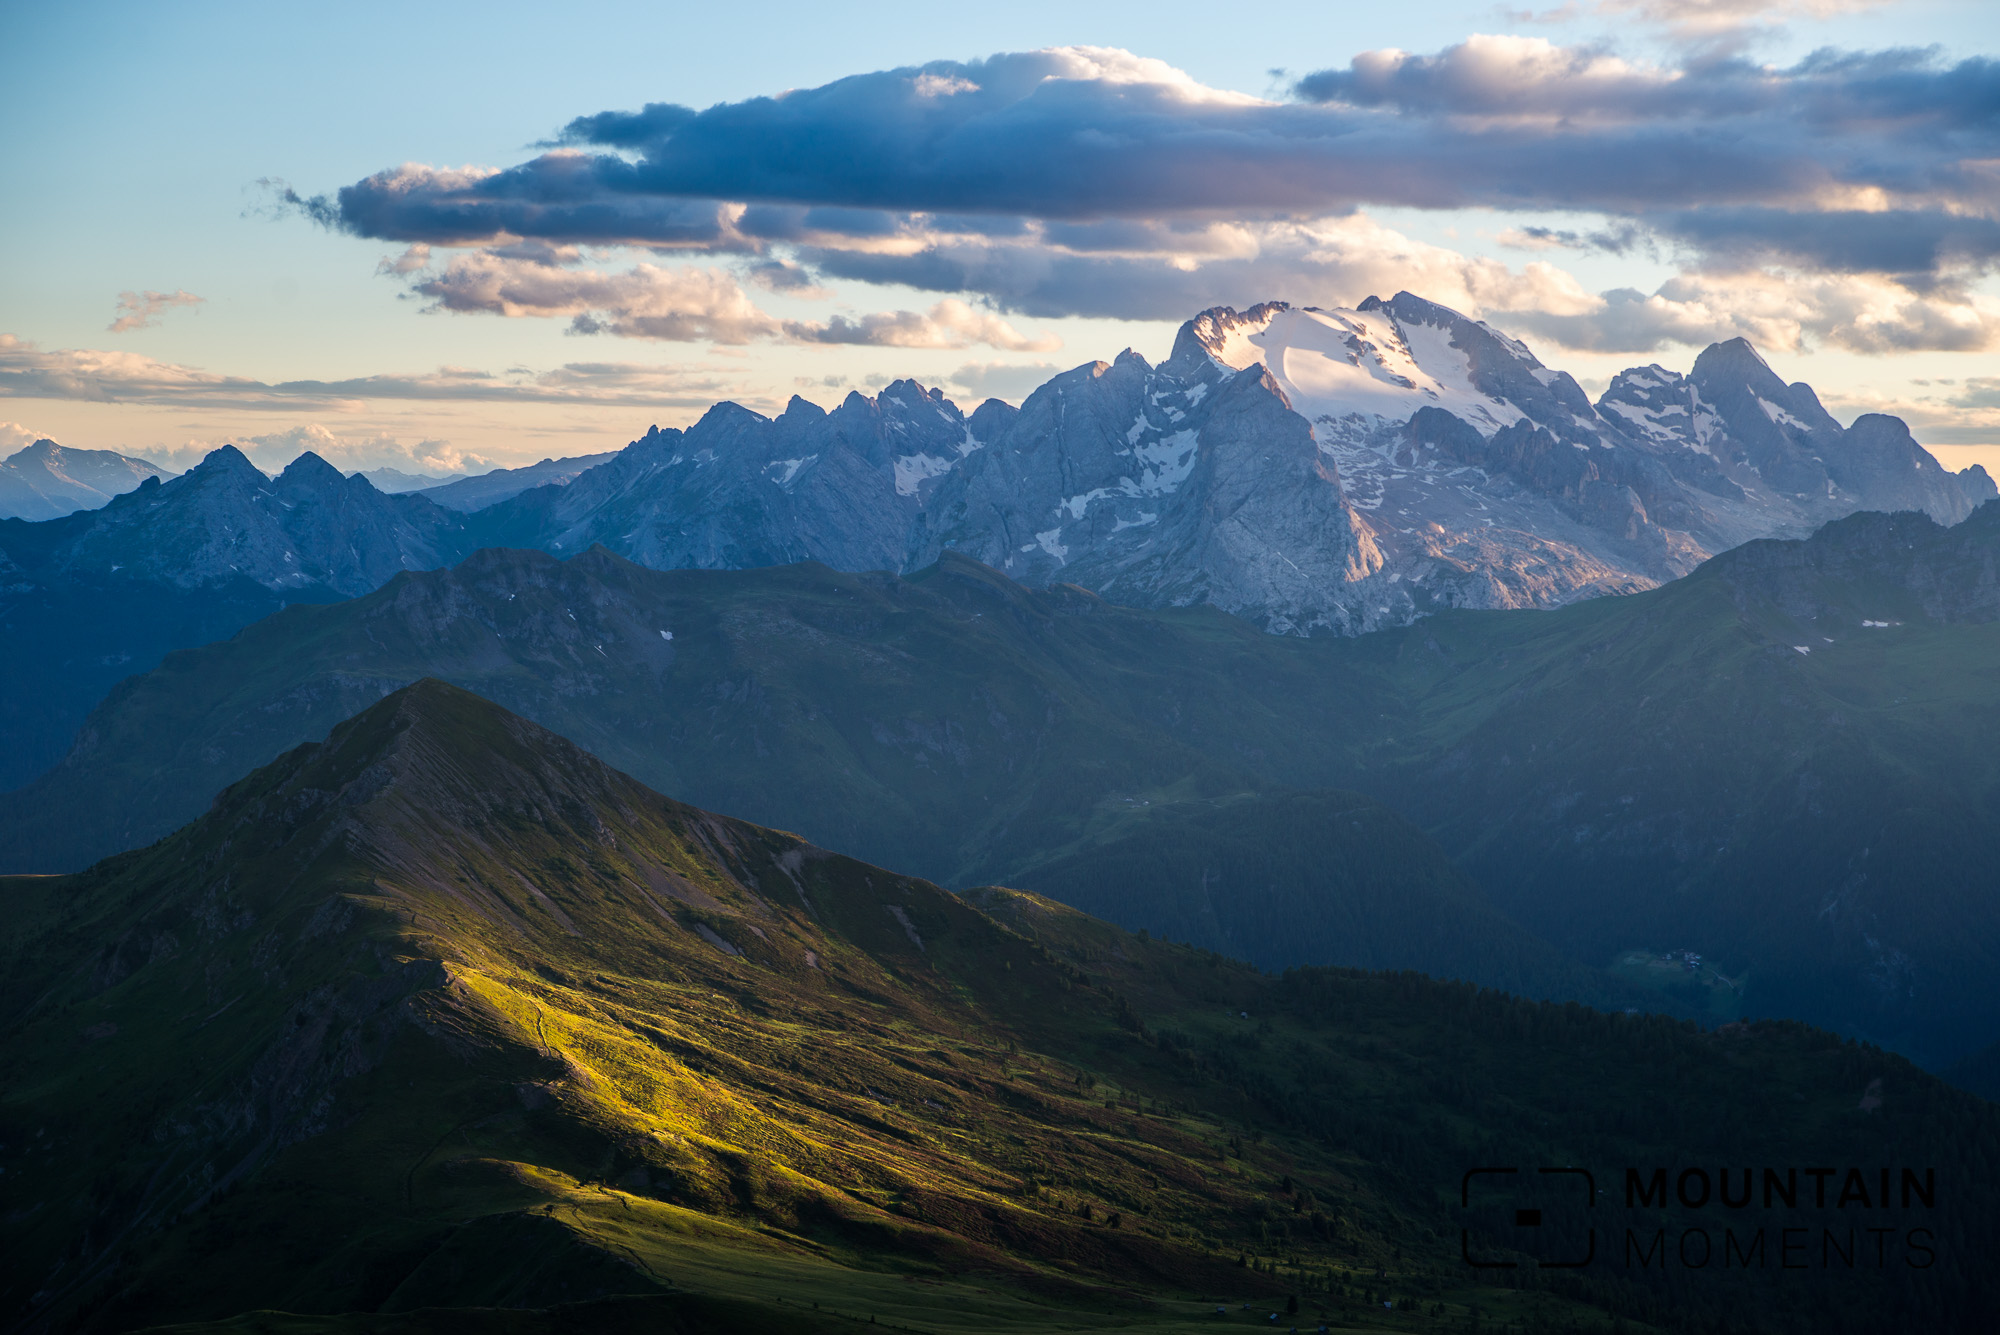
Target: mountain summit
[{"x": 46, "y": 481}]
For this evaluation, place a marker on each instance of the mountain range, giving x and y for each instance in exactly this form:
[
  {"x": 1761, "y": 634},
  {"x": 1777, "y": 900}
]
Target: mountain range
[
  {"x": 1306, "y": 469},
  {"x": 467, "y": 494},
  {"x": 103, "y": 593},
  {"x": 46, "y": 481},
  {"x": 1343, "y": 470},
  {"x": 1078, "y": 703},
  {"x": 1783, "y": 763},
  {"x": 441, "y": 1024}
]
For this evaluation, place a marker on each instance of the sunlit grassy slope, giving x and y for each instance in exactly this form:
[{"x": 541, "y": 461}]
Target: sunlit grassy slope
[{"x": 444, "y": 1016}]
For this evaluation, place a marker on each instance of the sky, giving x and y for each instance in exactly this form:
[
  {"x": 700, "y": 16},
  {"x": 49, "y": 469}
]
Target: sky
[{"x": 452, "y": 237}]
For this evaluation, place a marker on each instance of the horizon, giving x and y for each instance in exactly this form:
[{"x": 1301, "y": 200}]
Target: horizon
[{"x": 615, "y": 257}]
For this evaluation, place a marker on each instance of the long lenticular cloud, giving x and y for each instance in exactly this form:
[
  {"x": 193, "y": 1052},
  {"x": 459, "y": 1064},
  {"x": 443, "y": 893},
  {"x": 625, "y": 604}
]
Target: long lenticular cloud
[
  {"x": 1085, "y": 134},
  {"x": 1094, "y": 182}
]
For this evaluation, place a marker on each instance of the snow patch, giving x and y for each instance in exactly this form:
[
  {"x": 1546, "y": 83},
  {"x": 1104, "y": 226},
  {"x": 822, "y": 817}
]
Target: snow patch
[
  {"x": 1346, "y": 364},
  {"x": 1777, "y": 414},
  {"x": 1076, "y": 505},
  {"x": 786, "y": 469},
  {"x": 902, "y": 916},
  {"x": 1047, "y": 541},
  {"x": 913, "y": 470},
  {"x": 1165, "y": 463}
]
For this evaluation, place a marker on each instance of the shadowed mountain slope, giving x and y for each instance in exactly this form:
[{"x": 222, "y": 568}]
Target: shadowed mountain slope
[
  {"x": 1785, "y": 763},
  {"x": 95, "y": 596},
  {"x": 951, "y": 723},
  {"x": 1788, "y": 762},
  {"x": 443, "y": 1013},
  {"x": 1285, "y": 879}
]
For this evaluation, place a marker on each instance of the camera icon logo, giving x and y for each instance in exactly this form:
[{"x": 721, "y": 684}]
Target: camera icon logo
[{"x": 1546, "y": 1219}]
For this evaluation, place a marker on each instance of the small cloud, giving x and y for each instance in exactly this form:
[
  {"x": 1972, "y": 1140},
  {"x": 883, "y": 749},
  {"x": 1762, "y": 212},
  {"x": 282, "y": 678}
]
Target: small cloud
[
  {"x": 949, "y": 324},
  {"x": 1011, "y": 381},
  {"x": 1706, "y": 21},
  {"x": 409, "y": 262},
  {"x": 1566, "y": 13},
  {"x": 14, "y": 438},
  {"x": 1613, "y": 240},
  {"x": 142, "y": 310},
  {"x": 942, "y": 85},
  {"x": 783, "y": 276},
  {"x": 688, "y": 304},
  {"x": 353, "y": 453},
  {"x": 94, "y": 376},
  {"x": 1537, "y": 238}
]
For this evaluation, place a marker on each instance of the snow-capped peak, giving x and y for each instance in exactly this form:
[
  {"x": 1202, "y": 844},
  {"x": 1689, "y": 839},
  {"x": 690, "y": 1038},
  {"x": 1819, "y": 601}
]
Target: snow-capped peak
[{"x": 1369, "y": 363}]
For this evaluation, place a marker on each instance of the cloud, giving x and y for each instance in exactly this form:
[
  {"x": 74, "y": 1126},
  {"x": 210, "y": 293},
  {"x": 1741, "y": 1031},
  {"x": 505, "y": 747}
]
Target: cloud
[
  {"x": 1979, "y": 392},
  {"x": 681, "y": 304},
  {"x": 1848, "y": 197},
  {"x": 562, "y": 195},
  {"x": 1615, "y": 239},
  {"x": 1962, "y": 415},
  {"x": 1087, "y": 134},
  {"x": 1911, "y": 242},
  {"x": 1857, "y": 312},
  {"x": 690, "y": 303},
  {"x": 352, "y": 453},
  {"x": 95, "y": 376},
  {"x": 949, "y": 324},
  {"x": 413, "y": 260},
  {"x": 1011, "y": 381},
  {"x": 14, "y": 438},
  {"x": 1331, "y": 261},
  {"x": 1706, "y": 20},
  {"x": 142, "y": 310},
  {"x": 783, "y": 276}
]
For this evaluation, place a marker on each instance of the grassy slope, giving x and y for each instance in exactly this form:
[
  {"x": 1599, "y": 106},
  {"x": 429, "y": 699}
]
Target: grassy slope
[{"x": 444, "y": 1014}]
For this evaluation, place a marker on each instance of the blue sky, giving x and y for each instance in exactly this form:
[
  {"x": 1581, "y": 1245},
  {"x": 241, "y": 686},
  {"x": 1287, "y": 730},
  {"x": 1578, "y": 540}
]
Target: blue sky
[{"x": 1617, "y": 181}]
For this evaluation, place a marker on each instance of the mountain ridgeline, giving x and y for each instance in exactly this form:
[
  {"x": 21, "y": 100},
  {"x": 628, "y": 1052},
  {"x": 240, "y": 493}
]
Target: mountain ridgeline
[
  {"x": 1784, "y": 763},
  {"x": 443, "y": 1024},
  {"x": 1310, "y": 470},
  {"x": 103, "y": 593},
  {"x": 46, "y": 481}
]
